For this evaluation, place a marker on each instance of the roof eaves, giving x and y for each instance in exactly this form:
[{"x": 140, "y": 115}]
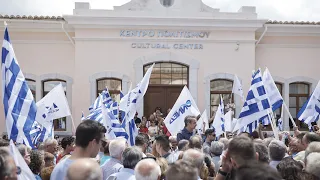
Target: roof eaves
[{"x": 24, "y": 17}]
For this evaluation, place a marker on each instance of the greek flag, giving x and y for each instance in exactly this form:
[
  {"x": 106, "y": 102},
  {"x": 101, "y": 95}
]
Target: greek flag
[
  {"x": 106, "y": 96},
  {"x": 274, "y": 95},
  {"x": 82, "y": 116},
  {"x": 103, "y": 98},
  {"x": 218, "y": 122},
  {"x": 114, "y": 108},
  {"x": 256, "y": 105},
  {"x": 19, "y": 106},
  {"x": 112, "y": 124},
  {"x": 310, "y": 111},
  {"x": 252, "y": 126}
]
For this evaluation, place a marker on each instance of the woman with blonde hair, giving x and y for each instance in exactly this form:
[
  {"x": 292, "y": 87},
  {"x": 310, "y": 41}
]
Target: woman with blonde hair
[{"x": 162, "y": 162}]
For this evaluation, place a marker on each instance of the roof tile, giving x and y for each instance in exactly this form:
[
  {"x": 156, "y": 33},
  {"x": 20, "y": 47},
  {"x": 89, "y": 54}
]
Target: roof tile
[
  {"x": 57, "y": 18},
  {"x": 294, "y": 22}
]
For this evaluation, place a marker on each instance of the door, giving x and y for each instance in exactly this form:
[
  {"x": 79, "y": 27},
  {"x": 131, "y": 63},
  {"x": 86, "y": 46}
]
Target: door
[{"x": 160, "y": 96}]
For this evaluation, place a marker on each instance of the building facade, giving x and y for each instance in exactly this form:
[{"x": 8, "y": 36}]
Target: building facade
[{"x": 191, "y": 44}]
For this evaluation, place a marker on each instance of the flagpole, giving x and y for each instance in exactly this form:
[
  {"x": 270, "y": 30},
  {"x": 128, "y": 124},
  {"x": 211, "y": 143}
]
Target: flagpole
[
  {"x": 276, "y": 135},
  {"x": 73, "y": 126},
  {"x": 286, "y": 107}
]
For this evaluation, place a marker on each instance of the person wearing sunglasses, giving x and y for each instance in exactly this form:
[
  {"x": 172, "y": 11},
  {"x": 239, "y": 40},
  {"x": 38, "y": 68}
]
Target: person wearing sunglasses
[
  {"x": 210, "y": 136},
  {"x": 8, "y": 168}
]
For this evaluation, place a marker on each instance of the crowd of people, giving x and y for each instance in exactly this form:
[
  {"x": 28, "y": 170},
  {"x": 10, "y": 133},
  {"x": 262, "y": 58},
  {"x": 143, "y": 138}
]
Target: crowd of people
[{"x": 157, "y": 155}]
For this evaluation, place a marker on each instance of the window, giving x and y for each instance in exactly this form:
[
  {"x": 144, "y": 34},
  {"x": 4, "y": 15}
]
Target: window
[
  {"x": 32, "y": 87},
  {"x": 168, "y": 74},
  {"x": 47, "y": 86},
  {"x": 298, "y": 94},
  {"x": 114, "y": 86},
  {"x": 219, "y": 87}
]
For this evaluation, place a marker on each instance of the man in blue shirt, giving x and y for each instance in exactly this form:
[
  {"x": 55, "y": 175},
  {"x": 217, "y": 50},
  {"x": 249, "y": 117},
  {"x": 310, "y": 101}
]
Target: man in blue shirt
[
  {"x": 190, "y": 123},
  {"x": 130, "y": 158},
  {"x": 88, "y": 141}
]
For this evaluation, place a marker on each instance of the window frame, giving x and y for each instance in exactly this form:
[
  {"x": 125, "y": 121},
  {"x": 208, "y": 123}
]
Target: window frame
[
  {"x": 55, "y": 122},
  {"x": 297, "y": 96},
  {"x": 110, "y": 90},
  {"x": 221, "y": 93},
  {"x": 165, "y": 62},
  {"x": 35, "y": 92}
]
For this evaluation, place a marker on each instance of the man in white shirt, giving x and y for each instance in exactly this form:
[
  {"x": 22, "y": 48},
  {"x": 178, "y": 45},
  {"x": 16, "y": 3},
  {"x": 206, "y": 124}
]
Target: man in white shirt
[
  {"x": 130, "y": 158},
  {"x": 88, "y": 141},
  {"x": 114, "y": 164}
]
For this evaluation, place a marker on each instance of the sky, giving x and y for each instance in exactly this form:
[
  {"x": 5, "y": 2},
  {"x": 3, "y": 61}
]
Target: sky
[{"x": 281, "y": 10}]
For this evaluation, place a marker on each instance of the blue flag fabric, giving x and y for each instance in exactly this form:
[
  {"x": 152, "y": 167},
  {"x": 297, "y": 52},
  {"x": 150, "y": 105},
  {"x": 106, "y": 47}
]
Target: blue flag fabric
[
  {"x": 19, "y": 106},
  {"x": 256, "y": 105},
  {"x": 310, "y": 111}
]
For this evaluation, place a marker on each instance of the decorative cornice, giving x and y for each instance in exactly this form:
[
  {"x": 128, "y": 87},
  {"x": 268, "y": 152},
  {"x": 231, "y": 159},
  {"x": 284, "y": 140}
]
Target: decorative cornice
[
  {"x": 289, "y": 45},
  {"x": 158, "y": 22},
  {"x": 163, "y": 40}
]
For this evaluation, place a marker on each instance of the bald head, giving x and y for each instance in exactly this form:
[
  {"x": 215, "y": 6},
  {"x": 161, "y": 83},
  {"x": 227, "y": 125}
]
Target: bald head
[
  {"x": 194, "y": 156},
  {"x": 147, "y": 169},
  {"x": 84, "y": 169}
]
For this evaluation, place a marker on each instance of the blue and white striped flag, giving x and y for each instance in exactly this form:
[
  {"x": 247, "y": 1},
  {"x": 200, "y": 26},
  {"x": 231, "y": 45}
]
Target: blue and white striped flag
[
  {"x": 252, "y": 126},
  {"x": 103, "y": 98},
  {"x": 114, "y": 108},
  {"x": 112, "y": 124},
  {"x": 256, "y": 105},
  {"x": 219, "y": 118},
  {"x": 19, "y": 106},
  {"x": 274, "y": 95},
  {"x": 310, "y": 111},
  {"x": 82, "y": 116},
  {"x": 106, "y": 96}
]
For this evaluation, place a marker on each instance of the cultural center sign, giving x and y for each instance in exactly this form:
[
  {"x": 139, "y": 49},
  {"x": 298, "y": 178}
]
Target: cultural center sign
[{"x": 164, "y": 34}]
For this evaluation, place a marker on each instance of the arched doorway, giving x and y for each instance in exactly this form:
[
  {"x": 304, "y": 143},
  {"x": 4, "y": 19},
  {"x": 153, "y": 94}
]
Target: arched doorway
[{"x": 166, "y": 82}]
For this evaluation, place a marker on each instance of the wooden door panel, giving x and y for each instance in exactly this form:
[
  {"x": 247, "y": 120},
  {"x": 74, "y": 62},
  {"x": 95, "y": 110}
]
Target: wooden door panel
[
  {"x": 154, "y": 97},
  {"x": 172, "y": 94}
]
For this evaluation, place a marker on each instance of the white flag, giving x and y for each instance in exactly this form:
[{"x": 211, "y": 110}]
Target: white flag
[
  {"x": 218, "y": 122},
  {"x": 203, "y": 118},
  {"x": 131, "y": 101},
  {"x": 229, "y": 122},
  {"x": 184, "y": 106},
  {"x": 53, "y": 106},
  {"x": 26, "y": 173},
  {"x": 237, "y": 87}
]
